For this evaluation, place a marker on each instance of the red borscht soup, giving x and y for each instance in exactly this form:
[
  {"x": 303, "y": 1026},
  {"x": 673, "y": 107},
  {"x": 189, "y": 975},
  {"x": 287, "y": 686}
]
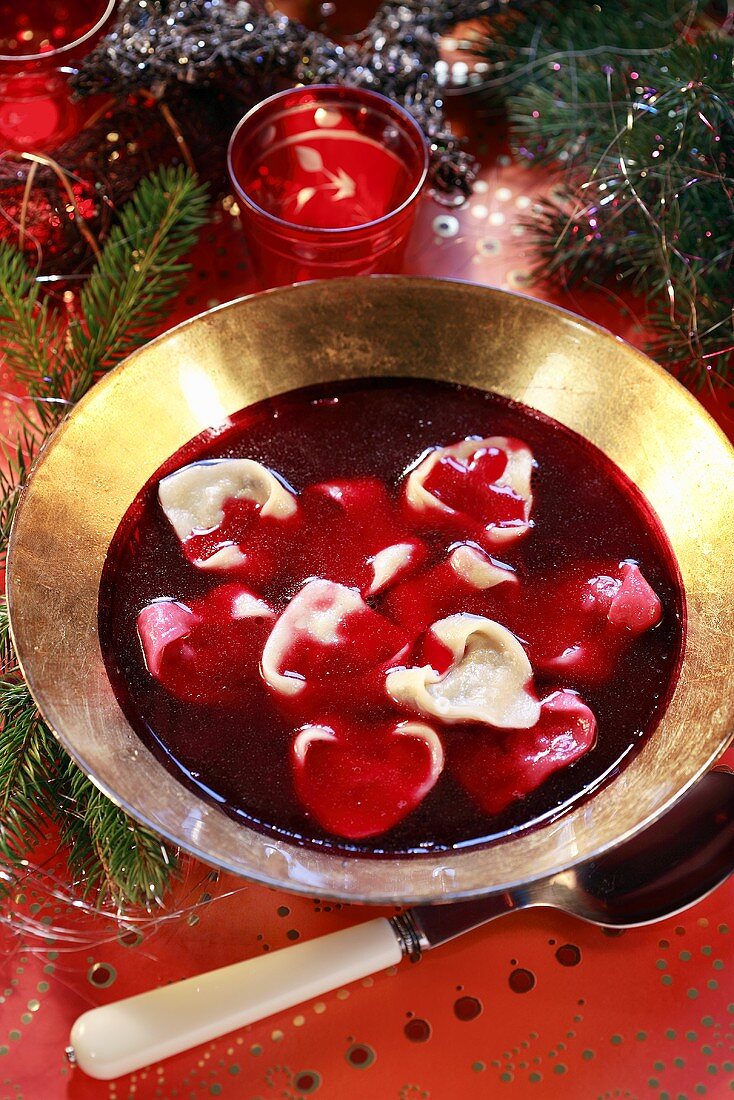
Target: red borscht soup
[{"x": 391, "y": 616}]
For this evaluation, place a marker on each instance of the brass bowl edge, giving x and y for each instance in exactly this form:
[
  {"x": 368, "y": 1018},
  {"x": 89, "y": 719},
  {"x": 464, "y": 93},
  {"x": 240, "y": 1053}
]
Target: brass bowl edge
[{"x": 211, "y": 366}]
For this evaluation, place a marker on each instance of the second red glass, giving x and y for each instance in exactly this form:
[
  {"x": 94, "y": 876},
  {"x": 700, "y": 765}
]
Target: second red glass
[
  {"x": 327, "y": 180},
  {"x": 40, "y": 42}
]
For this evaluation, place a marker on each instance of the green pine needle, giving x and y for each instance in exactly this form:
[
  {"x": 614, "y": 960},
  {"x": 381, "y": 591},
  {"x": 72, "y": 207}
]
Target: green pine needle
[
  {"x": 640, "y": 116},
  {"x": 28, "y": 763},
  {"x": 111, "y": 858},
  {"x": 30, "y": 335},
  {"x": 140, "y": 268},
  {"x": 15, "y": 463},
  {"x": 546, "y": 43}
]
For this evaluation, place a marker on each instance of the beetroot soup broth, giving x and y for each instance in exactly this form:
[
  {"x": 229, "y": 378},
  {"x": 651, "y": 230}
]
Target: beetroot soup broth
[{"x": 391, "y": 616}]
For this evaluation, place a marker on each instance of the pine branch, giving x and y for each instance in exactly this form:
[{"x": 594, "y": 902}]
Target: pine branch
[
  {"x": 15, "y": 463},
  {"x": 29, "y": 758},
  {"x": 29, "y": 337},
  {"x": 138, "y": 273},
  {"x": 644, "y": 130},
  {"x": 548, "y": 44},
  {"x": 7, "y": 655},
  {"x": 654, "y": 202},
  {"x": 111, "y": 857},
  {"x": 27, "y": 762}
]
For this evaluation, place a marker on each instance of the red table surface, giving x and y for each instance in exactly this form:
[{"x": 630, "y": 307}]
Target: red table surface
[{"x": 535, "y": 1005}]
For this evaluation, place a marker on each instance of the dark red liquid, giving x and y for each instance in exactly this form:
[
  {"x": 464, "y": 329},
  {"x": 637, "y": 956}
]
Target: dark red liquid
[
  {"x": 333, "y": 196},
  {"x": 331, "y": 165},
  {"x": 585, "y": 510}
]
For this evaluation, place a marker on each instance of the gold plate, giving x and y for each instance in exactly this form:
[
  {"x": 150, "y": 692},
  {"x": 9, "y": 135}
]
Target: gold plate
[{"x": 200, "y": 373}]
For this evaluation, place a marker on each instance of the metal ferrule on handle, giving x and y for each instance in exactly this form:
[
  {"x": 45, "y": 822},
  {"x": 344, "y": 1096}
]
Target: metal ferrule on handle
[{"x": 409, "y": 936}]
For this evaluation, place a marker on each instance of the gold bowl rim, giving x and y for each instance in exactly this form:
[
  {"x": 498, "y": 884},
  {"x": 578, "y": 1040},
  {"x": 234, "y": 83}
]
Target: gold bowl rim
[{"x": 197, "y": 374}]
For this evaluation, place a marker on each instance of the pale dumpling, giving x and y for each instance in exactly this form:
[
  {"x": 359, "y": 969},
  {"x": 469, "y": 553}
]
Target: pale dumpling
[
  {"x": 194, "y": 498},
  {"x": 488, "y": 678},
  {"x": 483, "y": 484},
  {"x": 327, "y": 635}
]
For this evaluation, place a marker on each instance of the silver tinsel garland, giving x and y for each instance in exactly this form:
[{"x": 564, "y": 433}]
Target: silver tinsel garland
[{"x": 165, "y": 46}]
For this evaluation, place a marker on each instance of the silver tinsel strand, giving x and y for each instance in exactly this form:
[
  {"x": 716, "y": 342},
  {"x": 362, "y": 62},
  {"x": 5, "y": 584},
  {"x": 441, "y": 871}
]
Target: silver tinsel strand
[{"x": 163, "y": 46}]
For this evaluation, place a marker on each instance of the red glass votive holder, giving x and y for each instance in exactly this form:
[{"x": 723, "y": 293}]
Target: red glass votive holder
[
  {"x": 327, "y": 180},
  {"x": 40, "y": 40}
]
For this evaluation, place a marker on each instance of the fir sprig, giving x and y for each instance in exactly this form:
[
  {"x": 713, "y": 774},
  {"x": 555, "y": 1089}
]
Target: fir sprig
[
  {"x": 641, "y": 118},
  {"x": 139, "y": 271},
  {"x": 16, "y": 459},
  {"x": 534, "y": 41},
  {"x": 29, "y": 339},
  {"x": 110, "y": 857},
  {"x": 29, "y": 760}
]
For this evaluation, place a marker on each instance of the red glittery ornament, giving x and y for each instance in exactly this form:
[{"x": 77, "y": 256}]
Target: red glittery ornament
[{"x": 55, "y": 215}]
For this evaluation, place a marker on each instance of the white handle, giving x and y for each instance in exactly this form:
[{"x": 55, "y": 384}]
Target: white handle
[{"x": 121, "y": 1037}]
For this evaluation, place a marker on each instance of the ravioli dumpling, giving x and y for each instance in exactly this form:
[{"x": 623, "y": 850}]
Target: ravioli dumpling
[
  {"x": 482, "y": 485},
  {"x": 477, "y": 671}
]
